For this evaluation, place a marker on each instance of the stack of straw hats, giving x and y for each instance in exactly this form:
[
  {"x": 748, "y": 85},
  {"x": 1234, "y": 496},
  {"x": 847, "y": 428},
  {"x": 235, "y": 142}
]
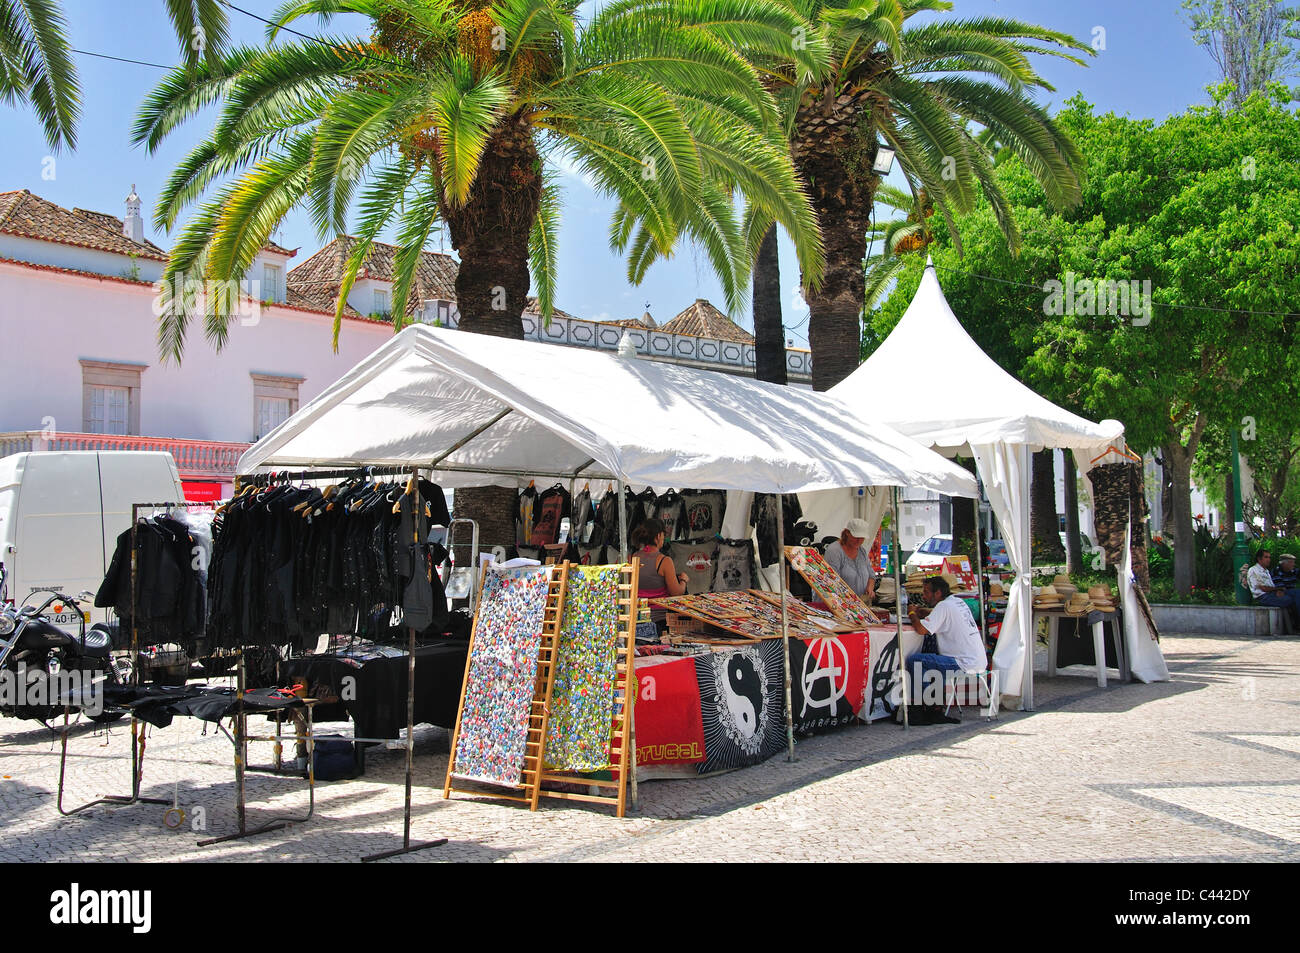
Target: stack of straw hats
[
  {"x": 1063, "y": 586},
  {"x": 1047, "y": 598},
  {"x": 1078, "y": 604},
  {"x": 1101, "y": 598}
]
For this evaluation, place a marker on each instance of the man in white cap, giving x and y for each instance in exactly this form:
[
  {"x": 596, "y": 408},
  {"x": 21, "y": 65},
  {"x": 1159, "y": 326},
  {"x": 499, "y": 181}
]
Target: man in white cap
[{"x": 849, "y": 557}]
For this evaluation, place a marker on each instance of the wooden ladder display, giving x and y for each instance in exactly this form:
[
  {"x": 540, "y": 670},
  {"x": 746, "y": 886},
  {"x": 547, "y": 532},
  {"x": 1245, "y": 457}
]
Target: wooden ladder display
[
  {"x": 539, "y": 709},
  {"x": 622, "y": 751}
]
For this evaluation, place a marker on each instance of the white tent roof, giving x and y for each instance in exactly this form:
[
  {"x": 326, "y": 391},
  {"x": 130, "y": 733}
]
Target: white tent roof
[
  {"x": 477, "y": 405},
  {"x": 934, "y": 384}
]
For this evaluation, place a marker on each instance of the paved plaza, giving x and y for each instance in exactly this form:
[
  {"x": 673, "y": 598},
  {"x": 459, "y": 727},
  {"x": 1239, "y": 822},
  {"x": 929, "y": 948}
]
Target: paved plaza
[{"x": 1205, "y": 767}]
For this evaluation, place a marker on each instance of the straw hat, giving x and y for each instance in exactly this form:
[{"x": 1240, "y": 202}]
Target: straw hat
[
  {"x": 1064, "y": 586},
  {"x": 1078, "y": 605},
  {"x": 1099, "y": 592},
  {"x": 952, "y": 581},
  {"x": 996, "y": 591}
]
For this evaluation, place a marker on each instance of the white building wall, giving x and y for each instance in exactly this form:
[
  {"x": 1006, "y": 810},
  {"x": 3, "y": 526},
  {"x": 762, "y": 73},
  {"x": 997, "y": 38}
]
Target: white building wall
[
  {"x": 49, "y": 322},
  {"x": 78, "y": 258}
]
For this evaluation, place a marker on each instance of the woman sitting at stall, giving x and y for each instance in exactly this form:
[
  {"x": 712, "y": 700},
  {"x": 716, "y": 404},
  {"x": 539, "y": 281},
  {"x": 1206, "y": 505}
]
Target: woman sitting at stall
[
  {"x": 849, "y": 557},
  {"x": 658, "y": 575}
]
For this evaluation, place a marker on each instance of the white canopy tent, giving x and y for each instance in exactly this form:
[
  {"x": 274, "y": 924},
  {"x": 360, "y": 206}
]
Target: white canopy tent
[
  {"x": 482, "y": 409},
  {"x": 956, "y": 399}
]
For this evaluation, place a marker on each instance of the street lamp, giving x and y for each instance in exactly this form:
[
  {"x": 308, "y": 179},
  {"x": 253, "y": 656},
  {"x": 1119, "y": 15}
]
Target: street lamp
[{"x": 884, "y": 159}]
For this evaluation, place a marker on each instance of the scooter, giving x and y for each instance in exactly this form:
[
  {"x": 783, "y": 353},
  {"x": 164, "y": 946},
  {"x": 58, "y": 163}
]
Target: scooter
[{"x": 34, "y": 650}]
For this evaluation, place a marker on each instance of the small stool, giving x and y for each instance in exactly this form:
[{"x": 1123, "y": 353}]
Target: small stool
[{"x": 986, "y": 678}]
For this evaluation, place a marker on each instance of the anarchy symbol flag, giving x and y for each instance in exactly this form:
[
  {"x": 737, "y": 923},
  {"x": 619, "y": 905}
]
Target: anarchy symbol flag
[{"x": 828, "y": 680}]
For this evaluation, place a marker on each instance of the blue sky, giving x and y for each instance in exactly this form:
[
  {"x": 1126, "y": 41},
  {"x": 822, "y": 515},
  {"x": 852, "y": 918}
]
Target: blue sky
[{"x": 1149, "y": 68}]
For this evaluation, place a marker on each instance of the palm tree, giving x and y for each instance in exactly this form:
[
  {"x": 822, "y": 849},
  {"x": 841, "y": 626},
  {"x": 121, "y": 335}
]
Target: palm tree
[
  {"x": 915, "y": 88},
  {"x": 457, "y": 112},
  {"x": 36, "y": 67}
]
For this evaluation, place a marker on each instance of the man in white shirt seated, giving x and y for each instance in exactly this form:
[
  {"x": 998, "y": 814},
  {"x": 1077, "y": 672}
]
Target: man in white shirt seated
[
  {"x": 960, "y": 648},
  {"x": 1266, "y": 593},
  {"x": 850, "y": 557}
]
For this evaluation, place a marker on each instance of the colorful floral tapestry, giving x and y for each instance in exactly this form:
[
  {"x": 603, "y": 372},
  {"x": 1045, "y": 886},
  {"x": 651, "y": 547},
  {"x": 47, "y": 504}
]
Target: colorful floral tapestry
[
  {"x": 502, "y": 674},
  {"x": 582, "y": 699}
]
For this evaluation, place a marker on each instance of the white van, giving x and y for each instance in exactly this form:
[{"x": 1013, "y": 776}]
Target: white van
[{"x": 61, "y": 514}]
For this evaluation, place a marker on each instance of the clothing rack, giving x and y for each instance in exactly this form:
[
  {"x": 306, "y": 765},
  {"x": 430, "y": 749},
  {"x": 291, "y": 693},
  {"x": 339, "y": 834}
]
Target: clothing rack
[{"x": 137, "y": 734}]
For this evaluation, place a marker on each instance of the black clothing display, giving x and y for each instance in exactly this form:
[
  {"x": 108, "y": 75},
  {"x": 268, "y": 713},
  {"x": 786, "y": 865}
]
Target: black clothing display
[
  {"x": 289, "y": 564},
  {"x": 170, "y": 603},
  {"x": 377, "y": 699},
  {"x": 584, "y": 518},
  {"x": 668, "y": 508},
  {"x": 762, "y": 516}
]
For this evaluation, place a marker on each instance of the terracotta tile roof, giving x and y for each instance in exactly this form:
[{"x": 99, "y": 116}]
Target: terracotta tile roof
[
  {"x": 703, "y": 320},
  {"x": 320, "y": 276},
  {"x": 280, "y": 249},
  {"x": 30, "y": 216},
  {"x": 292, "y": 305}
]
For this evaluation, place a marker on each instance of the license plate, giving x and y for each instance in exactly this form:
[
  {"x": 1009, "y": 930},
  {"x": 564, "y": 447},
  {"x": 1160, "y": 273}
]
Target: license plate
[{"x": 66, "y": 617}]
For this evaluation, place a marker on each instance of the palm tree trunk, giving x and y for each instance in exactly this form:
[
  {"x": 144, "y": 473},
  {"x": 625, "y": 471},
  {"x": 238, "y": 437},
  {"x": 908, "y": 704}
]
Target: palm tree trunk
[
  {"x": 1043, "y": 520},
  {"x": 1073, "y": 549},
  {"x": 829, "y": 151},
  {"x": 490, "y": 232},
  {"x": 769, "y": 332}
]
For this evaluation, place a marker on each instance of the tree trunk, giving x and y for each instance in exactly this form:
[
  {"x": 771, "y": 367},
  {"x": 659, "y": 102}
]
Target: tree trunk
[
  {"x": 834, "y": 157},
  {"x": 963, "y": 517},
  {"x": 1073, "y": 549},
  {"x": 490, "y": 232},
  {"x": 1226, "y": 527},
  {"x": 1178, "y": 466},
  {"x": 1043, "y": 520},
  {"x": 769, "y": 332},
  {"x": 1138, "y": 519}
]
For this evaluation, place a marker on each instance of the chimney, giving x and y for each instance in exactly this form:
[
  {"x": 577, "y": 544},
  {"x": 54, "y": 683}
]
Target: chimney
[{"x": 133, "y": 224}]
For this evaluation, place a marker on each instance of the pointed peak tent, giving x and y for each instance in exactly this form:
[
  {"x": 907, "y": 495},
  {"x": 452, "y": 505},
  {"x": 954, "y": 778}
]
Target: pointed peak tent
[
  {"x": 954, "y": 395},
  {"x": 946, "y": 393}
]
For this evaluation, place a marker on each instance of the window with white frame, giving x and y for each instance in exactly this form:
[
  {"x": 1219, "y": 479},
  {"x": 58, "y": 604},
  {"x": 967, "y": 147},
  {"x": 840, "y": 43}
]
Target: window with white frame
[
  {"x": 110, "y": 397},
  {"x": 382, "y": 306},
  {"x": 270, "y": 283},
  {"x": 275, "y": 400}
]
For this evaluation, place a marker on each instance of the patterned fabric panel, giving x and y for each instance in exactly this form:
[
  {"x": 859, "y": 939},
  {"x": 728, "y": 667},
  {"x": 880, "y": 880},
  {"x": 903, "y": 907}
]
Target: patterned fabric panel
[
  {"x": 502, "y": 675},
  {"x": 582, "y": 701}
]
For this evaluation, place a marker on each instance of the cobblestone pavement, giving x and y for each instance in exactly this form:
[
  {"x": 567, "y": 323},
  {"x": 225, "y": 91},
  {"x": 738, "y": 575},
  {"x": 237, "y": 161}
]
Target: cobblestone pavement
[{"x": 1205, "y": 767}]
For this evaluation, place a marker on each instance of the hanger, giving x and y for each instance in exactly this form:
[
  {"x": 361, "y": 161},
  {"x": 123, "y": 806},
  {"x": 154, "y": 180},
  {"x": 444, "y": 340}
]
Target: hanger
[{"x": 1114, "y": 449}]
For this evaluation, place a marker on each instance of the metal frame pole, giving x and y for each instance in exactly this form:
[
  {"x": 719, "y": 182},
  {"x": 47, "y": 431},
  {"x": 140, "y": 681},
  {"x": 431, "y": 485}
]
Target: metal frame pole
[
  {"x": 407, "y": 847},
  {"x": 622, "y": 521},
  {"x": 785, "y": 628},
  {"x": 979, "y": 562},
  {"x": 896, "y": 553}
]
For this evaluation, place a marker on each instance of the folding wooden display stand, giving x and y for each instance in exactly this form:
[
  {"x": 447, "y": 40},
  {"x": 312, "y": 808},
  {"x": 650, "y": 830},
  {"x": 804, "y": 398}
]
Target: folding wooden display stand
[
  {"x": 531, "y": 776},
  {"x": 622, "y": 753}
]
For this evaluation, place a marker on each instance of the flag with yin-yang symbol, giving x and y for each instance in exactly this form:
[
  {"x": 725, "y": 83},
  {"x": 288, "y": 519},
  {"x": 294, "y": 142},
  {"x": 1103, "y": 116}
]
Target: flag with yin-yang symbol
[{"x": 742, "y": 699}]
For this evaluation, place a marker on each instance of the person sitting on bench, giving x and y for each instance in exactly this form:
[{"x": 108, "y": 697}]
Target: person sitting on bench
[{"x": 1265, "y": 593}]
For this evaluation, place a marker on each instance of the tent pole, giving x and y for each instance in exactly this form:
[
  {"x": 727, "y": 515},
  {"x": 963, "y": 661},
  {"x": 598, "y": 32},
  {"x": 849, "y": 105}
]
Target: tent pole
[
  {"x": 895, "y": 556},
  {"x": 1027, "y": 628},
  {"x": 622, "y": 522},
  {"x": 979, "y": 562},
  {"x": 785, "y": 626}
]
